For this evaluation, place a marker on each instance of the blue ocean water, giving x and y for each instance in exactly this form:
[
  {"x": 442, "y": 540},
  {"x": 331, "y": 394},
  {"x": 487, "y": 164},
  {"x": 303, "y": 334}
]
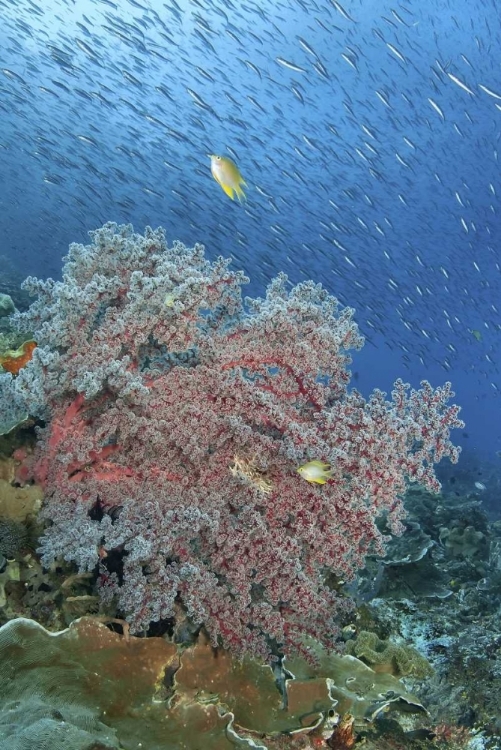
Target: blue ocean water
[{"x": 367, "y": 132}]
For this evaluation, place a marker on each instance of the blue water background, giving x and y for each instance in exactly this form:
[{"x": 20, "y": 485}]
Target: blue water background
[{"x": 368, "y": 134}]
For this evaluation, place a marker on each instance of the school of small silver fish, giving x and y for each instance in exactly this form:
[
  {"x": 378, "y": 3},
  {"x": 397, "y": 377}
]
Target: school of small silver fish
[{"x": 368, "y": 136}]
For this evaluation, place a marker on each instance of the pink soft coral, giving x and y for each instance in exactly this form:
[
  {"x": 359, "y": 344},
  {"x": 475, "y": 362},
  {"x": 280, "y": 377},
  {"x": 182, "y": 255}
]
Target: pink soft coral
[{"x": 175, "y": 431}]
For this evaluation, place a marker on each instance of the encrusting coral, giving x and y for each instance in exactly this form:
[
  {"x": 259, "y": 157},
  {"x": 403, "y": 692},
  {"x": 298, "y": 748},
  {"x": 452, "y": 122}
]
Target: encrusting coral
[{"x": 87, "y": 686}]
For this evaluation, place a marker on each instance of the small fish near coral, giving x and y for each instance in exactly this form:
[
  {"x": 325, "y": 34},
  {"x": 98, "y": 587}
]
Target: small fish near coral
[
  {"x": 227, "y": 174},
  {"x": 315, "y": 471},
  {"x": 14, "y": 359}
]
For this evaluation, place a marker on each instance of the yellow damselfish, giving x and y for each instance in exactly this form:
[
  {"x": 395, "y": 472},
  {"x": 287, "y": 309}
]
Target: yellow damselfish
[
  {"x": 315, "y": 471},
  {"x": 227, "y": 174}
]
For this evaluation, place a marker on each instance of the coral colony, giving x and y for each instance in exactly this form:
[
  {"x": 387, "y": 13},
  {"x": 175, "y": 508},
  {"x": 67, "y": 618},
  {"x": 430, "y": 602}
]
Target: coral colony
[{"x": 177, "y": 417}]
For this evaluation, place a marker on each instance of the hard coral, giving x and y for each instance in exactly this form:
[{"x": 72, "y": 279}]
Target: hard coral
[
  {"x": 386, "y": 656},
  {"x": 148, "y": 405},
  {"x": 87, "y": 684}
]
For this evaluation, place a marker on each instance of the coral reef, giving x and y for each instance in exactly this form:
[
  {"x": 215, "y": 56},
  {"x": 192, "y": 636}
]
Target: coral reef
[
  {"x": 13, "y": 537},
  {"x": 387, "y": 656},
  {"x": 177, "y": 417},
  {"x": 53, "y": 597},
  {"x": 19, "y": 507},
  {"x": 9, "y": 572},
  {"x": 456, "y": 627},
  {"x": 6, "y": 305},
  {"x": 19, "y": 503},
  {"x": 88, "y": 685},
  {"x": 466, "y": 542}
]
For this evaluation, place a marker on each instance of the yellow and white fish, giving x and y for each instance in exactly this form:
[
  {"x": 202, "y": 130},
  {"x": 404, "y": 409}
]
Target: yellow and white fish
[
  {"x": 227, "y": 174},
  {"x": 315, "y": 471}
]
